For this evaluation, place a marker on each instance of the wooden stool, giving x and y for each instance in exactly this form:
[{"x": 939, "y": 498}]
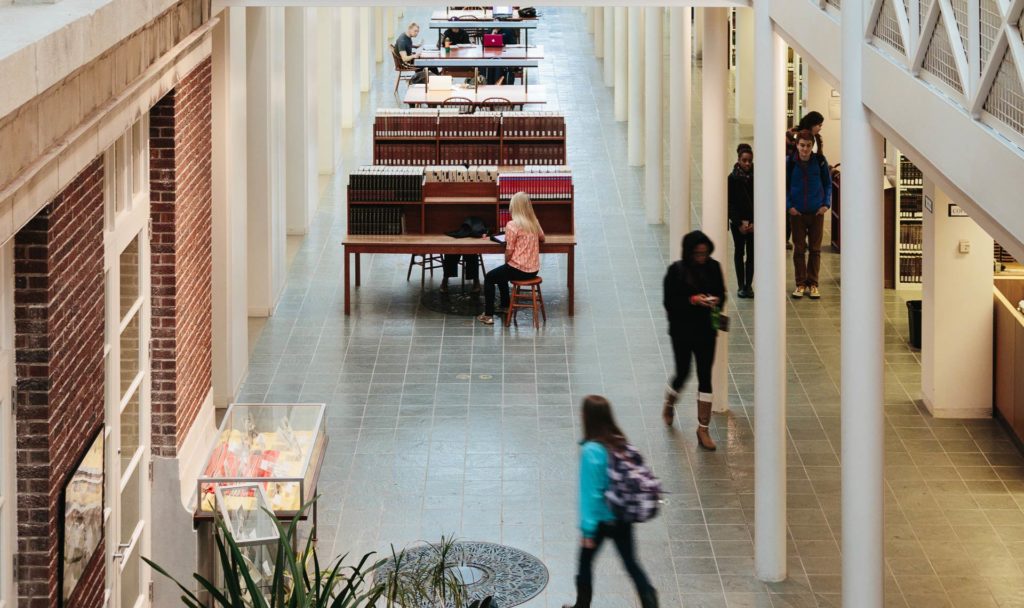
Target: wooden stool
[
  {"x": 427, "y": 261},
  {"x": 526, "y": 294}
]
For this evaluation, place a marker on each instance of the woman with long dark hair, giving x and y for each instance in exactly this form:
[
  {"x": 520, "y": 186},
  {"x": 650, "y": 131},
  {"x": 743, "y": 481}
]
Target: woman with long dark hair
[
  {"x": 694, "y": 292},
  {"x": 597, "y": 522}
]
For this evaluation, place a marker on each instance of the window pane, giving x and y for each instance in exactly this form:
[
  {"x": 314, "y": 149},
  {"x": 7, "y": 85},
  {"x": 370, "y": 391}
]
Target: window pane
[
  {"x": 129, "y": 353},
  {"x": 130, "y": 429},
  {"x": 130, "y": 580},
  {"x": 131, "y": 505},
  {"x": 129, "y": 276}
]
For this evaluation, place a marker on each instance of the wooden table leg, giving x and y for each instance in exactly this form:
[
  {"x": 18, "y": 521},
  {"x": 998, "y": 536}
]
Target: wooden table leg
[
  {"x": 348, "y": 306},
  {"x": 571, "y": 281},
  {"x": 358, "y": 268}
]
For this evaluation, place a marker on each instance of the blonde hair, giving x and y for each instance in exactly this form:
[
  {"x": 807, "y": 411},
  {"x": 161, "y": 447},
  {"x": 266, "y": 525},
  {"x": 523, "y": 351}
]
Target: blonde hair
[
  {"x": 411, "y": 25},
  {"x": 521, "y": 210}
]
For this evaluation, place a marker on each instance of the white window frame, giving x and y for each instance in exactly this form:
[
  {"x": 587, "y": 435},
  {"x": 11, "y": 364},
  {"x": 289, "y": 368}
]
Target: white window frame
[
  {"x": 127, "y": 217},
  {"x": 7, "y": 441}
]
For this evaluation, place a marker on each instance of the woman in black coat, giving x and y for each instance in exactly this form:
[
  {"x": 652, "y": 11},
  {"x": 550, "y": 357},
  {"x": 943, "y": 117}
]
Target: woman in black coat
[
  {"x": 694, "y": 294},
  {"x": 741, "y": 218}
]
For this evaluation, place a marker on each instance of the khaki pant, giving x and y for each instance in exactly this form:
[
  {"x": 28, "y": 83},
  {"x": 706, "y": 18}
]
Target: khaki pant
[{"x": 807, "y": 233}]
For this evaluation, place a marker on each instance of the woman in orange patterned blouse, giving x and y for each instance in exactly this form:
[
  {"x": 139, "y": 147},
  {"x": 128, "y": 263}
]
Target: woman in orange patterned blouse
[{"x": 523, "y": 236}]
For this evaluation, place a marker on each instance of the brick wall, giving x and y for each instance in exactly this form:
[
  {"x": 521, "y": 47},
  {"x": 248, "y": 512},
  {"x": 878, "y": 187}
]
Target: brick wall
[
  {"x": 181, "y": 194},
  {"x": 59, "y": 320}
]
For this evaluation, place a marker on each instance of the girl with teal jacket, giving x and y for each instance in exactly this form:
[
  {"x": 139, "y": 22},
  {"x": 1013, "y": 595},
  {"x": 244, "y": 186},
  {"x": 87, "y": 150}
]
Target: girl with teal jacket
[{"x": 597, "y": 522}]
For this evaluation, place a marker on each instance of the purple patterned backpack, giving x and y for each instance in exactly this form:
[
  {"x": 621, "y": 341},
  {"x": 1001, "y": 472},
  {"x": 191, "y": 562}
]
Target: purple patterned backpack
[{"x": 633, "y": 491}]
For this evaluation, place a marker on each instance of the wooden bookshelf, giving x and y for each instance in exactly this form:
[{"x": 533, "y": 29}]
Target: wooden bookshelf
[{"x": 483, "y": 138}]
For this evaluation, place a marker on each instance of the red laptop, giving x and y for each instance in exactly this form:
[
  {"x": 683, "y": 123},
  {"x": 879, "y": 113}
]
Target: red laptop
[{"x": 494, "y": 40}]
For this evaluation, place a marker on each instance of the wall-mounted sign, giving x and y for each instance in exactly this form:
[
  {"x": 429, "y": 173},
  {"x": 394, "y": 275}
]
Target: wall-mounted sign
[
  {"x": 956, "y": 211},
  {"x": 928, "y": 203}
]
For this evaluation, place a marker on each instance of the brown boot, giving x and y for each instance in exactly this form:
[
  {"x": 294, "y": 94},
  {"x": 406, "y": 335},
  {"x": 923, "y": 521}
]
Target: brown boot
[
  {"x": 668, "y": 409},
  {"x": 704, "y": 421}
]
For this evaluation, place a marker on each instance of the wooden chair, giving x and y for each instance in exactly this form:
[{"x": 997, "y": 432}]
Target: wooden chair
[
  {"x": 464, "y": 104},
  {"x": 426, "y": 261},
  {"x": 526, "y": 294},
  {"x": 497, "y": 104},
  {"x": 404, "y": 70}
]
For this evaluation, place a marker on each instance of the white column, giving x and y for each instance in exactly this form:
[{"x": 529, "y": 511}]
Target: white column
[
  {"x": 621, "y": 76},
  {"x": 957, "y": 313},
  {"x": 698, "y": 33},
  {"x": 745, "y": 66},
  {"x": 635, "y": 89},
  {"x": 365, "y": 48},
  {"x": 349, "y": 86},
  {"x": 770, "y": 304},
  {"x": 266, "y": 168},
  {"x": 679, "y": 91},
  {"x": 599, "y": 32},
  {"x": 653, "y": 100},
  {"x": 714, "y": 216},
  {"x": 301, "y": 107},
  {"x": 389, "y": 27},
  {"x": 380, "y": 33},
  {"x": 863, "y": 345},
  {"x": 328, "y": 102},
  {"x": 230, "y": 196},
  {"x": 609, "y": 46}
]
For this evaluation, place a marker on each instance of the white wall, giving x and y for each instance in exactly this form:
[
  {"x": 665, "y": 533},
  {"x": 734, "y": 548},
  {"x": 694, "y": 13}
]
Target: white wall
[
  {"x": 956, "y": 348},
  {"x": 302, "y": 118},
  {"x": 819, "y": 97}
]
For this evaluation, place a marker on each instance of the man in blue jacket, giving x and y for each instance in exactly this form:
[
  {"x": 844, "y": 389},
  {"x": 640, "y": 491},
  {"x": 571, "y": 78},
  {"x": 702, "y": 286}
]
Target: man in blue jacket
[{"x": 808, "y": 199}]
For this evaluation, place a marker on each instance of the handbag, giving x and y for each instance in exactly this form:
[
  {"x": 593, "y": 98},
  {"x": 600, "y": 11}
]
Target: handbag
[
  {"x": 719, "y": 320},
  {"x": 528, "y": 12}
]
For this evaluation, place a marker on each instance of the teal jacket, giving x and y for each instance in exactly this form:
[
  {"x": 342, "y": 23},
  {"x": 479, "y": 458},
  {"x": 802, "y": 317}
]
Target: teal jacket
[{"x": 594, "y": 508}]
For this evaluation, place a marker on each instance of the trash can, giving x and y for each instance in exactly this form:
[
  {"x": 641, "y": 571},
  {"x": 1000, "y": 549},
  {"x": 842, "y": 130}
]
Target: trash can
[{"x": 914, "y": 320}]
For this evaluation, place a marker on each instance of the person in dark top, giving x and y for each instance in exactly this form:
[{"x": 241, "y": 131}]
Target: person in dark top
[
  {"x": 405, "y": 46},
  {"x": 454, "y": 36},
  {"x": 808, "y": 199},
  {"x": 694, "y": 292},
  {"x": 741, "y": 218}
]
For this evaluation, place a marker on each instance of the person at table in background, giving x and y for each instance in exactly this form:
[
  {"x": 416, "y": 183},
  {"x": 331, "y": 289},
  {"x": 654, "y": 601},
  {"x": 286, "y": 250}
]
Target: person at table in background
[
  {"x": 405, "y": 46},
  {"x": 741, "y": 218},
  {"x": 811, "y": 121},
  {"x": 453, "y": 36},
  {"x": 471, "y": 268},
  {"x": 523, "y": 236},
  {"x": 808, "y": 199}
]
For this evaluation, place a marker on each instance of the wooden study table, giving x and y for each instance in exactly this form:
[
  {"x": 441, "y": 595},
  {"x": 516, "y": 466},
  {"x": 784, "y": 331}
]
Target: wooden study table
[
  {"x": 517, "y": 95},
  {"x": 473, "y": 52},
  {"x": 439, "y": 243},
  {"x": 460, "y": 14}
]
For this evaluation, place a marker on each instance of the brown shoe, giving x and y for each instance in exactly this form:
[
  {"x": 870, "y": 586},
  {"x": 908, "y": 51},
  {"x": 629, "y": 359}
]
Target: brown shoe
[
  {"x": 668, "y": 409},
  {"x": 703, "y": 422}
]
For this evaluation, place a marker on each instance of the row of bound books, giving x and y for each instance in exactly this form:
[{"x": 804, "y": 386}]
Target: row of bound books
[
  {"x": 548, "y": 186},
  {"x": 911, "y": 204},
  {"x": 405, "y": 153},
  {"x": 910, "y": 236},
  {"x": 385, "y": 184},
  {"x": 457, "y": 174},
  {"x": 504, "y": 217},
  {"x": 533, "y": 124},
  {"x": 469, "y": 154},
  {"x": 910, "y": 269},
  {"x": 910, "y": 175},
  {"x": 534, "y": 153},
  {"x": 471, "y": 125},
  {"x": 411, "y": 122},
  {"x": 447, "y": 122},
  {"x": 376, "y": 220}
]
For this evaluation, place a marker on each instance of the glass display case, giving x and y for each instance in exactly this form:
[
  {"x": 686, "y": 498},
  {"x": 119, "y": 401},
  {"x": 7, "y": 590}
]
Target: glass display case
[
  {"x": 278, "y": 446},
  {"x": 247, "y": 515}
]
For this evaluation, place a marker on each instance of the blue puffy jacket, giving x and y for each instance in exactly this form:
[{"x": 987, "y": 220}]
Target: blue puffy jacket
[{"x": 808, "y": 184}]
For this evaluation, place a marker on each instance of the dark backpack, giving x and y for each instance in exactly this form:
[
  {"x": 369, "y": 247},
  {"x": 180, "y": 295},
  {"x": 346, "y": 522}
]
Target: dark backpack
[{"x": 633, "y": 491}]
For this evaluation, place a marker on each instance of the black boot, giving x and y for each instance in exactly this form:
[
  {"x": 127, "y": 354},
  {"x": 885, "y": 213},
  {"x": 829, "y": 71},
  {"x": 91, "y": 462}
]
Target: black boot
[
  {"x": 649, "y": 599},
  {"x": 584, "y": 593}
]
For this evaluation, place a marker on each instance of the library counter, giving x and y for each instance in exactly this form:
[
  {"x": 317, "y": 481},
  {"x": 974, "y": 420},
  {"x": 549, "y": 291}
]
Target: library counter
[{"x": 441, "y": 244}]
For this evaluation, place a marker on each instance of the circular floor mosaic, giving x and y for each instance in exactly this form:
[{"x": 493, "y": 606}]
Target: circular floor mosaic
[{"x": 509, "y": 575}]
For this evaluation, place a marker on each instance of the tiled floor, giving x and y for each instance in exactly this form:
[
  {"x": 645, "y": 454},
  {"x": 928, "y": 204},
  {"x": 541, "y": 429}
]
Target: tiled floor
[{"x": 439, "y": 425}]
